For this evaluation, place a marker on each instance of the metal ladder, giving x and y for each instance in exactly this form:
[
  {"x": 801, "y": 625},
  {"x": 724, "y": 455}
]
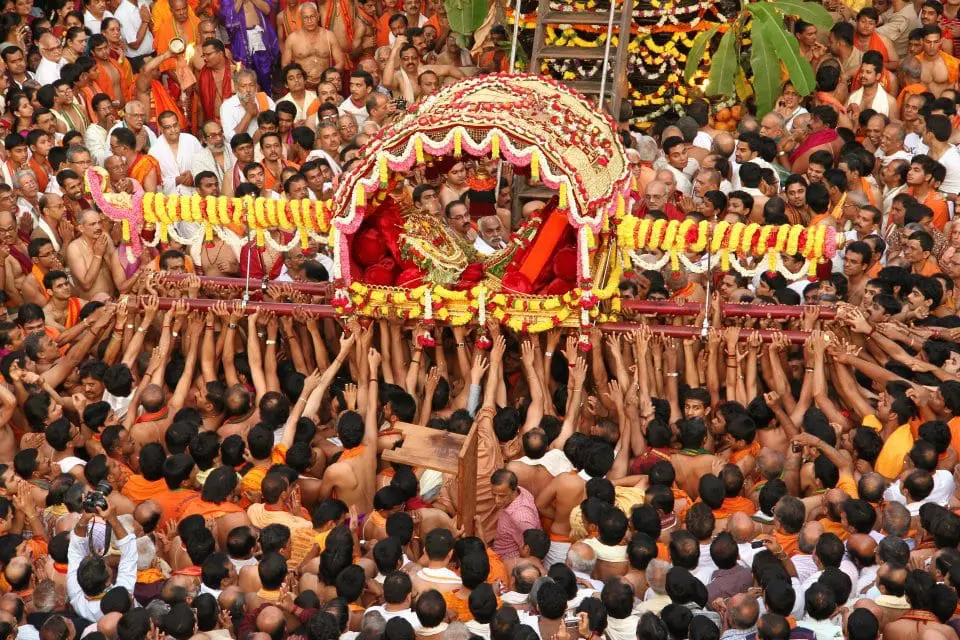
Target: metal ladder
[
  {"x": 607, "y": 89},
  {"x": 611, "y": 88}
]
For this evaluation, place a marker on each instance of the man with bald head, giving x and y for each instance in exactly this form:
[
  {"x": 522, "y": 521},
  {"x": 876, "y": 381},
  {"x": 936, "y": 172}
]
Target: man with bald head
[
  {"x": 51, "y": 59},
  {"x": 107, "y": 625},
  {"x": 807, "y": 541},
  {"x": 862, "y": 549},
  {"x": 896, "y": 520},
  {"x": 582, "y": 559},
  {"x": 888, "y": 594},
  {"x": 18, "y": 574},
  {"x": 743, "y": 529},
  {"x": 742, "y": 613},
  {"x": 724, "y": 144}
]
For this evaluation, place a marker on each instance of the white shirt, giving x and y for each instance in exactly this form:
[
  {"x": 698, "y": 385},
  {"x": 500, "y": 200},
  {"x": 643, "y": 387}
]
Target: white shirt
[
  {"x": 805, "y": 566},
  {"x": 360, "y": 113},
  {"x": 951, "y": 162},
  {"x": 96, "y": 139},
  {"x": 91, "y": 22},
  {"x": 823, "y": 629},
  {"x": 706, "y": 567},
  {"x": 126, "y": 573},
  {"x": 943, "y": 487},
  {"x": 49, "y": 72},
  {"x": 703, "y": 140},
  {"x": 309, "y": 97},
  {"x": 407, "y": 614},
  {"x": 232, "y": 112},
  {"x": 151, "y": 136},
  {"x": 899, "y": 154},
  {"x": 914, "y": 144},
  {"x": 482, "y": 247},
  {"x": 129, "y": 16},
  {"x": 188, "y": 148}
]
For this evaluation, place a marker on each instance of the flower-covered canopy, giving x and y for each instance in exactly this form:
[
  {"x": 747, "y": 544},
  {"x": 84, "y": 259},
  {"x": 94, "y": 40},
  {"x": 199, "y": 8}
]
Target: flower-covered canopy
[{"x": 528, "y": 120}]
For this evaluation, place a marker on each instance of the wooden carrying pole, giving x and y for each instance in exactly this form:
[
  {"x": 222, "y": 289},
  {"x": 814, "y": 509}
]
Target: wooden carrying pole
[{"x": 328, "y": 311}]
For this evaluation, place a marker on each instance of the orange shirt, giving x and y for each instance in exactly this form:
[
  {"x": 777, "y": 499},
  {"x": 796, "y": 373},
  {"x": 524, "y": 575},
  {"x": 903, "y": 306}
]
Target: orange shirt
[
  {"x": 139, "y": 489},
  {"x": 174, "y": 503},
  {"x": 939, "y": 207}
]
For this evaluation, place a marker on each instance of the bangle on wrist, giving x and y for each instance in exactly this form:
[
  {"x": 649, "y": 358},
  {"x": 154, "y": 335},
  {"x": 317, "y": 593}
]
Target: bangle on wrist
[
  {"x": 672, "y": 374},
  {"x": 130, "y": 326},
  {"x": 141, "y": 330},
  {"x": 271, "y": 342},
  {"x": 232, "y": 325},
  {"x": 549, "y": 354},
  {"x": 260, "y": 334},
  {"x": 174, "y": 333}
]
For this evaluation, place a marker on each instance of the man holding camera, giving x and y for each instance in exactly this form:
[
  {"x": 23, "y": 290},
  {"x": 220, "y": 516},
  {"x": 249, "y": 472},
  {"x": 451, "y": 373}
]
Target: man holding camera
[{"x": 88, "y": 576}]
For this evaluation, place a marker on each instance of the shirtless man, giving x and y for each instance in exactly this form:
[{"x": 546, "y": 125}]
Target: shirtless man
[
  {"x": 312, "y": 47},
  {"x": 690, "y": 462},
  {"x": 934, "y": 72},
  {"x": 353, "y": 477},
  {"x": 919, "y": 618},
  {"x": 338, "y": 25},
  {"x": 455, "y": 185},
  {"x": 871, "y": 91},
  {"x": 403, "y": 69},
  {"x": 94, "y": 262},
  {"x": 57, "y": 309},
  {"x": 532, "y": 476},
  {"x": 14, "y": 252}
]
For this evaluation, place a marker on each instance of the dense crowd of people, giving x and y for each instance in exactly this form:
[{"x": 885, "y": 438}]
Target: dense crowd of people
[{"x": 183, "y": 473}]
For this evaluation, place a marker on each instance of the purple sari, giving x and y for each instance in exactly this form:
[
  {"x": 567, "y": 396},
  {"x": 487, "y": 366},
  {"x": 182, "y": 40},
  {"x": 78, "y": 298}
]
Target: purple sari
[{"x": 261, "y": 61}]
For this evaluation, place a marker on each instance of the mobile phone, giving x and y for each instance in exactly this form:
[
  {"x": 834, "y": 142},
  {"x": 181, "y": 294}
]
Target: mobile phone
[{"x": 756, "y": 544}]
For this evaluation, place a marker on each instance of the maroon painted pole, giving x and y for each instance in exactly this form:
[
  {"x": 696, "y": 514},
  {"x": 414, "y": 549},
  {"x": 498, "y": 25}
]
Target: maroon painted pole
[
  {"x": 796, "y": 337},
  {"x": 280, "y": 308},
  {"x": 730, "y": 310},
  {"x": 314, "y": 288}
]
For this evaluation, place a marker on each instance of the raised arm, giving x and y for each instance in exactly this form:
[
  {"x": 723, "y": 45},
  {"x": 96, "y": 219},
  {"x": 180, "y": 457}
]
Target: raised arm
[
  {"x": 254, "y": 357},
  {"x": 535, "y": 410},
  {"x": 150, "y": 307},
  {"x": 579, "y": 375},
  {"x": 370, "y": 422},
  {"x": 347, "y": 340}
]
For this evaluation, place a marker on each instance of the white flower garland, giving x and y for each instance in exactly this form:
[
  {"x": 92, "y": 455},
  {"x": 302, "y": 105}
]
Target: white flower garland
[
  {"x": 230, "y": 238},
  {"x": 643, "y": 262}
]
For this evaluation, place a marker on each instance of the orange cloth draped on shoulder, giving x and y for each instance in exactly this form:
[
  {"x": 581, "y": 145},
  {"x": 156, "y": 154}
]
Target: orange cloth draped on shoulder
[
  {"x": 43, "y": 179},
  {"x": 302, "y": 540},
  {"x": 210, "y": 509},
  {"x": 38, "y": 547},
  {"x": 141, "y": 168},
  {"x": 162, "y": 101},
  {"x": 497, "y": 570},
  {"x": 910, "y": 90},
  {"x": 868, "y": 191},
  {"x": 149, "y": 576},
  {"x": 139, "y": 489},
  {"x": 730, "y": 506},
  {"x": 73, "y": 312},
  {"x": 38, "y": 276},
  {"x": 953, "y": 66},
  {"x": 164, "y": 32},
  {"x": 254, "y": 478},
  {"x": 458, "y": 605},
  {"x": 835, "y": 528},
  {"x": 830, "y": 101},
  {"x": 350, "y": 454},
  {"x": 686, "y": 292},
  {"x": 87, "y": 95},
  {"x": 788, "y": 542},
  {"x": 102, "y": 78},
  {"x": 752, "y": 450},
  {"x": 290, "y": 19},
  {"x": 876, "y": 44}
]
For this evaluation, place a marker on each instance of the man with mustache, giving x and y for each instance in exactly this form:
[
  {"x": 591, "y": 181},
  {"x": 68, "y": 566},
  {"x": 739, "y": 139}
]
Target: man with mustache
[{"x": 215, "y": 156}]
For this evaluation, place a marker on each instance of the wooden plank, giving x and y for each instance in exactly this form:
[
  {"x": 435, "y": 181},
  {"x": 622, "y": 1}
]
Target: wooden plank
[{"x": 467, "y": 483}]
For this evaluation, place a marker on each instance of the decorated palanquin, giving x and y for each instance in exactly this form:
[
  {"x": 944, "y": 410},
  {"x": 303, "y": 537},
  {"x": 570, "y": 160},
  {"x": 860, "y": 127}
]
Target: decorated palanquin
[
  {"x": 559, "y": 262},
  {"x": 563, "y": 264}
]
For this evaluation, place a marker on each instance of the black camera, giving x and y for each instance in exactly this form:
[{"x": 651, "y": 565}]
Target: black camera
[
  {"x": 400, "y": 103},
  {"x": 97, "y": 499}
]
